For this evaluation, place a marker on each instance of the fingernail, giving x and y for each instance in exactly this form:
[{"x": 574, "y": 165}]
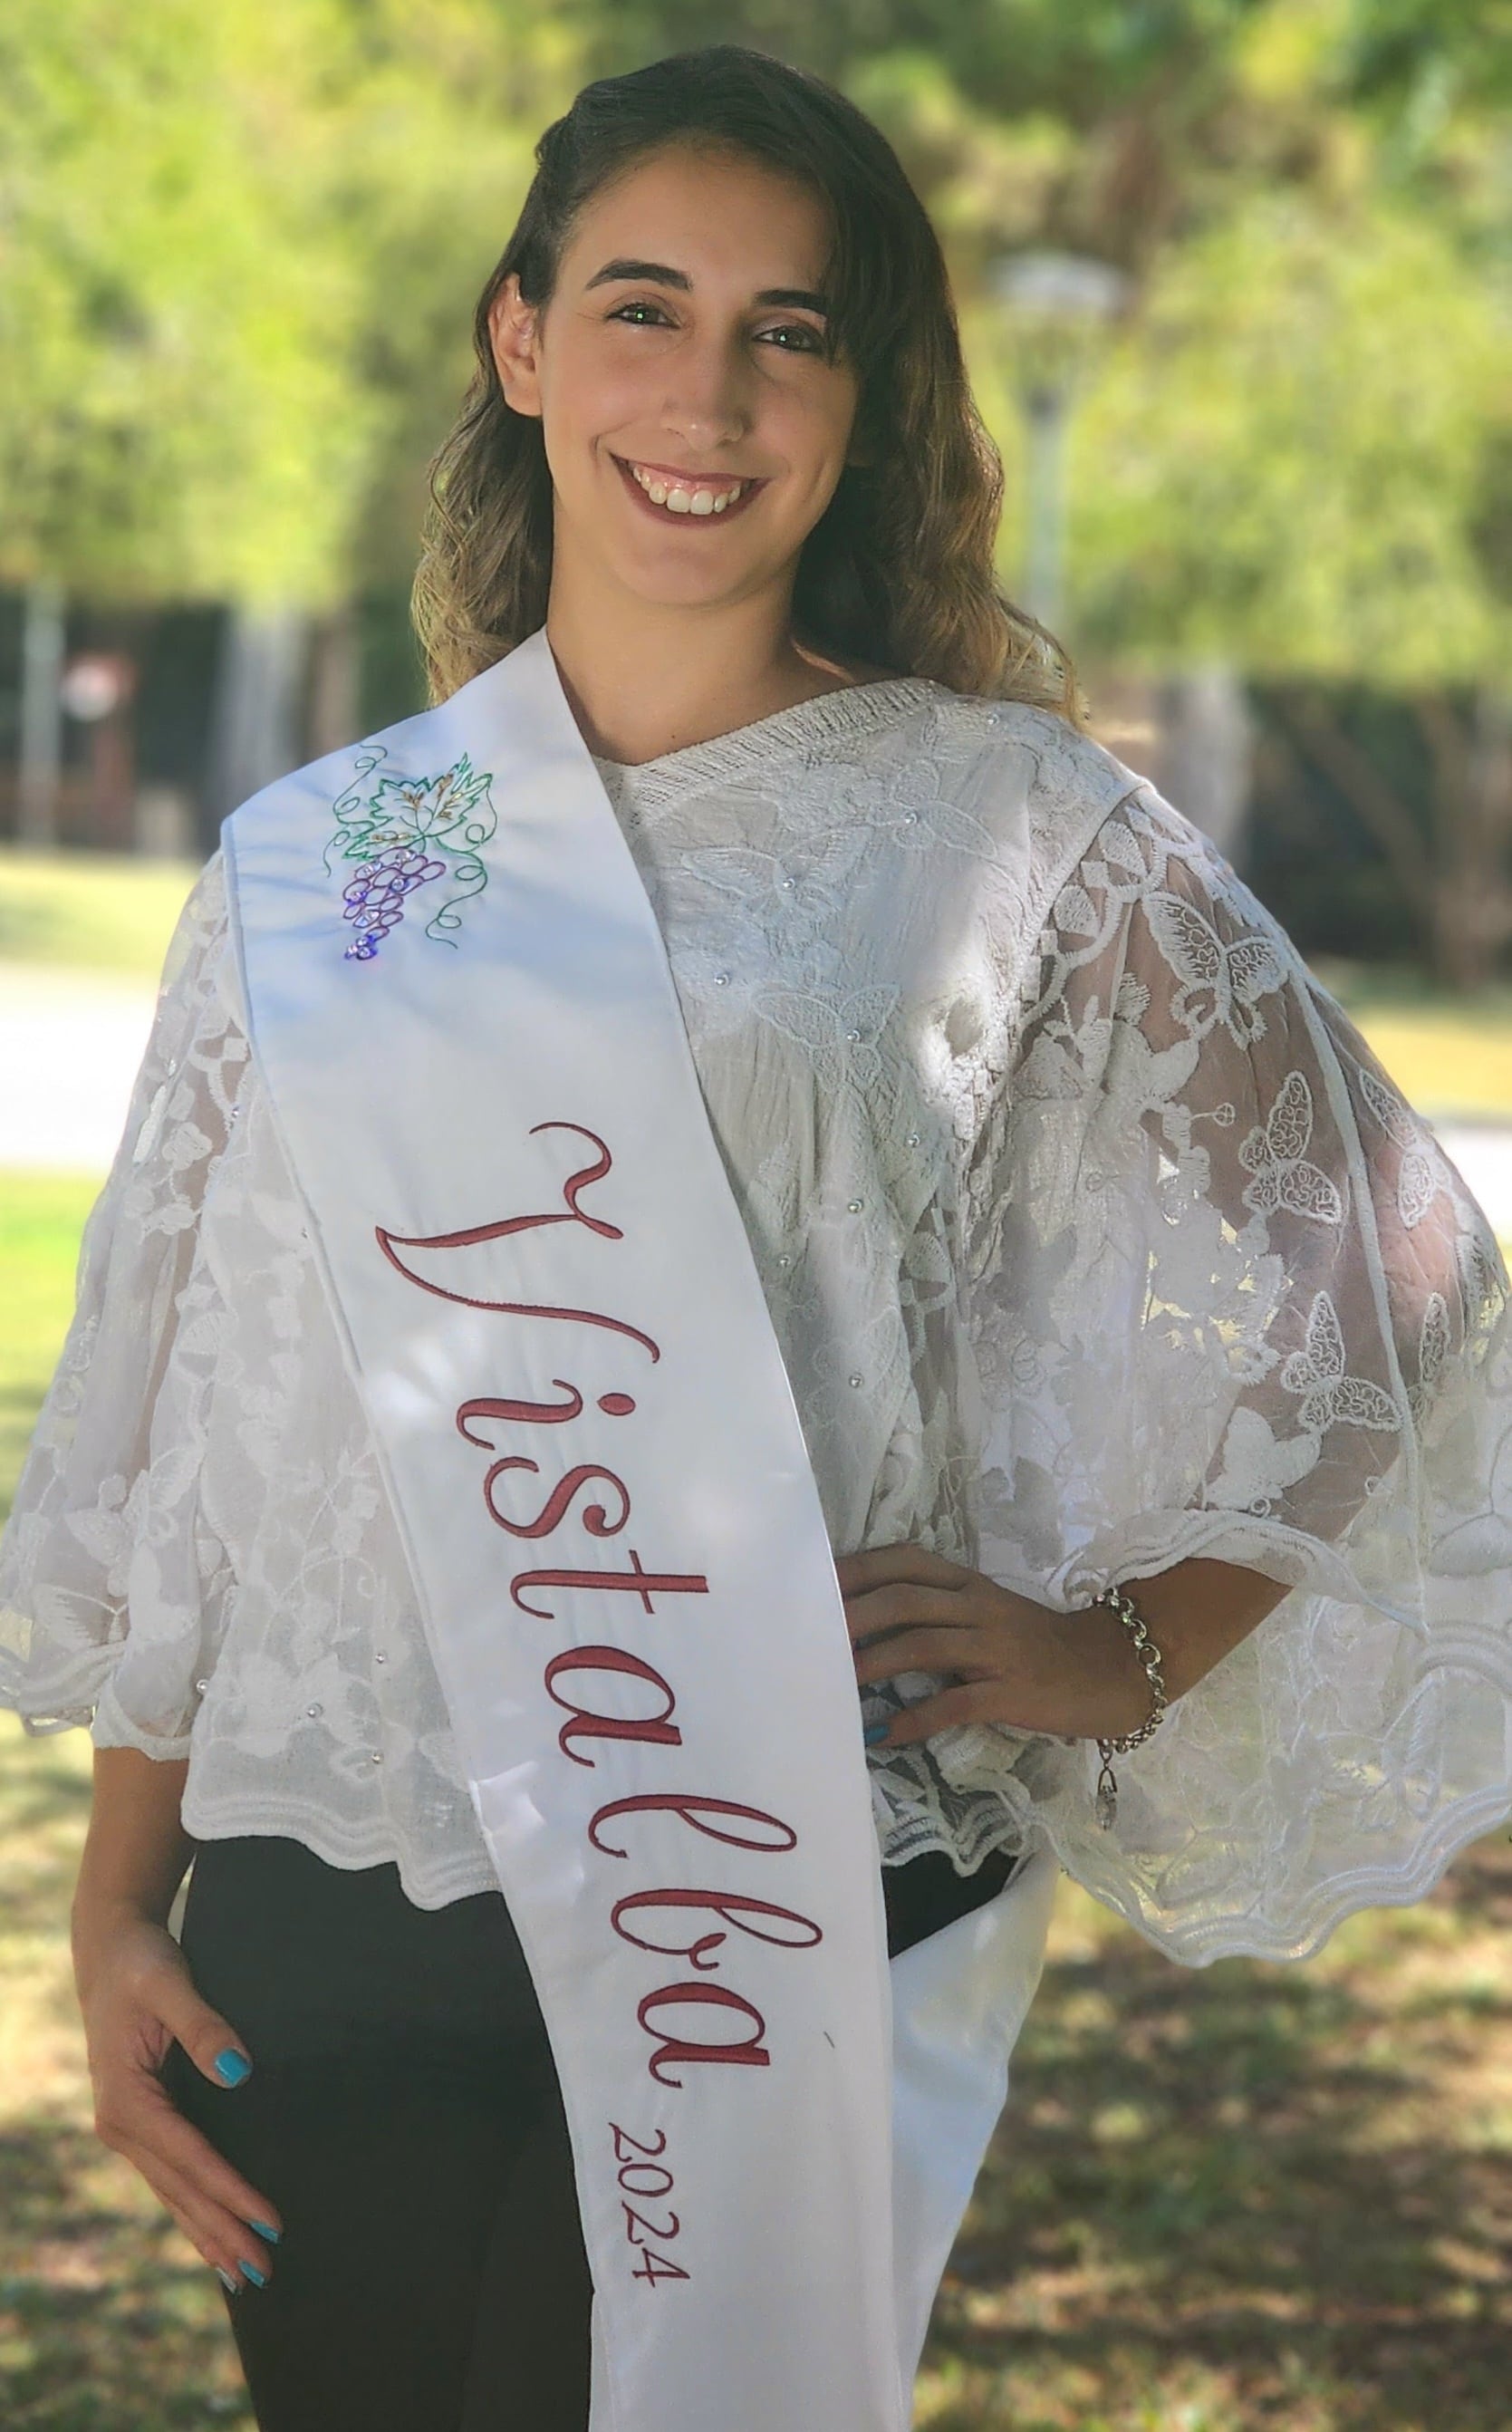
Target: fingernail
[
  {"x": 873, "y": 1734},
  {"x": 232, "y": 2287},
  {"x": 232, "y": 2065},
  {"x": 265, "y": 2229},
  {"x": 252, "y": 2272}
]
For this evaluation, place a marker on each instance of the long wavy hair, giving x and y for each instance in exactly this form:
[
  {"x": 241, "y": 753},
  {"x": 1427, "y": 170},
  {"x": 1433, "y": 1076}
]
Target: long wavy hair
[{"x": 897, "y": 572}]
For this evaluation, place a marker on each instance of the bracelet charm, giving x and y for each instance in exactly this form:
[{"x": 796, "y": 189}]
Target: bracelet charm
[{"x": 1148, "y": 1654}]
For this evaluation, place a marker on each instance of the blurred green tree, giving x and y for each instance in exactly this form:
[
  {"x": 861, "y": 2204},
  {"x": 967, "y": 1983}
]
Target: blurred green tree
[
  {"x": 237, "y": 248},
  {"x": 177, "y": 417}
]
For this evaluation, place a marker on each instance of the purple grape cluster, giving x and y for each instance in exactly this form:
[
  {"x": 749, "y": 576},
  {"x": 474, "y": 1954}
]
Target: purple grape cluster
[{"x": 375, "y": 896}]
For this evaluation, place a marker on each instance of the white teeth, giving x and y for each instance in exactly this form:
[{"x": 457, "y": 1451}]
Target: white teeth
[{"x": 683, "y": 500}]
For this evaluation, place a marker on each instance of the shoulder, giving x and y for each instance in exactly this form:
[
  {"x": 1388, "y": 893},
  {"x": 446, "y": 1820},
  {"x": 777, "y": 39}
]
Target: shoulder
[
  {"x": 1061, "y": 764},
  {"x": 200, "y": 931},
  {"x": 1088, "y": 803},
  {"x": 1053, "y": 799},
  {"x": 1064, "y": 780}
]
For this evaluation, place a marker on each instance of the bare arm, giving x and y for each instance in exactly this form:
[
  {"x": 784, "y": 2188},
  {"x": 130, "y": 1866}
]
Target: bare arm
[
  {"x": 137, "y": 1852},
  {"x": 137, "y": 1997}
]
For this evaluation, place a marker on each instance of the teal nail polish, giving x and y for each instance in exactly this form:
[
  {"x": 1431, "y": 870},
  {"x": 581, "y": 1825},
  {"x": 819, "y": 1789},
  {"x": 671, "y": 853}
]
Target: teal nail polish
[
  {"x": 873, "y": 1734},
  {"x": 232, "y": 2065},
  {"x": 265, "y": 2229},
  {"x": 260, "y": 2278},
  {"x": 232, "y": 2288}
]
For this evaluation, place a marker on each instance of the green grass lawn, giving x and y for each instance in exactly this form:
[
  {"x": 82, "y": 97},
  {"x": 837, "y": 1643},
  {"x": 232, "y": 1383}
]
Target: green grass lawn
[
  {"x": 99, "y": 912},
  {"x": 1241, "y": 2199},
  {"x": 1449, "y": 1055},
  {"x": 41, "y": 1220},
  {"x": 109, "y": 2320}
]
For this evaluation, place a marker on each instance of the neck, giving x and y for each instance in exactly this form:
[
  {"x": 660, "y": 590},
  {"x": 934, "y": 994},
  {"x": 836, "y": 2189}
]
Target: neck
[{"x": 643, "y": 680}]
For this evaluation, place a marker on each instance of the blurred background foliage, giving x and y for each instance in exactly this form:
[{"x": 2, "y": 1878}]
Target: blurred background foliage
[
  {"x": 240, "y": 246},
  {"x": 239, "y": 251}
]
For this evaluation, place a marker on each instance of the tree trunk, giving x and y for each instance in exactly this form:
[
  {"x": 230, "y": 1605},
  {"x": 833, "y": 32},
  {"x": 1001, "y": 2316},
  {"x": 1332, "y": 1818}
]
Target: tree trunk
[
  {"x": 1207, "y": 752},
  {"x": 1380, "y": 809},
  {"x": 257, "y": 717},
  {"x": 41, "y": 719},
  {"x": 335, "y": 718},
  {"x": 1458, "y": 881},
  {"x": 1472, "y": 829}
]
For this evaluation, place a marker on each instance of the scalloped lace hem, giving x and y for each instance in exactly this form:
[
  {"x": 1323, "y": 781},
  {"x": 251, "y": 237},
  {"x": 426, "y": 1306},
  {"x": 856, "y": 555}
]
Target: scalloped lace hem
[
  {"x": 426, "y": 1885},
  {"x": 1302, "y": 1930}
]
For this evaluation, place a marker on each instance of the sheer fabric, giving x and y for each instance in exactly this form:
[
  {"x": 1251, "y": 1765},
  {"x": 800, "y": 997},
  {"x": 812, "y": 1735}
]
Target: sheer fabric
[{"x": 1094, "y": 1237}]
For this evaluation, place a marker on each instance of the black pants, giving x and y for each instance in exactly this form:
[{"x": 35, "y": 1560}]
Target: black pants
[{"x": 404, "y": 2115}]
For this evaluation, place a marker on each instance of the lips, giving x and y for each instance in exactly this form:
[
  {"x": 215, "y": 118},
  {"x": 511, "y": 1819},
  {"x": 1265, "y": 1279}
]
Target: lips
[{"x": 678, "y": 495}]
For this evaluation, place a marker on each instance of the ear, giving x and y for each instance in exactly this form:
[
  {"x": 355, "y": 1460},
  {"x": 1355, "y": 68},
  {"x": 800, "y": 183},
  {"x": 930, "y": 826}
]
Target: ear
[{"x": 515, "y": 329}]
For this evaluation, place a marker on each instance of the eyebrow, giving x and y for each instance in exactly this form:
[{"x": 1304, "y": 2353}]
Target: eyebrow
[{"x": 660, "y": 274}]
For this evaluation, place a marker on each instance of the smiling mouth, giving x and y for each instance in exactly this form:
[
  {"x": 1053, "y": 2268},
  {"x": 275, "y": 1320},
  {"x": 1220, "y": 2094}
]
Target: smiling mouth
[{"x": 686, "y": 497}]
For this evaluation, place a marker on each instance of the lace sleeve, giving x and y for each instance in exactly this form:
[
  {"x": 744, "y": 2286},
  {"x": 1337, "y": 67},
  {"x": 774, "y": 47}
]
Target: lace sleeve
[
  {"x": 1229, "y": 1298},
  {"x": 109, "y": 1575}
]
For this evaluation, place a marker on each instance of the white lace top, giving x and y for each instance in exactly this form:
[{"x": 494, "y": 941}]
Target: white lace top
[{"x": 1094, "y": 1237}]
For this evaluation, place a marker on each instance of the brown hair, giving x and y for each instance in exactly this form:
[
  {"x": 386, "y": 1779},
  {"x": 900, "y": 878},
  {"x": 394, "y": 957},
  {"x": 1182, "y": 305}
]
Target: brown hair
[{"x": 898, "y": 571}]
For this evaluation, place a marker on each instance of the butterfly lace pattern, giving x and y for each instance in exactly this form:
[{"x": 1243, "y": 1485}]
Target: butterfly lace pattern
[{"x": 1094, "y": 1237}]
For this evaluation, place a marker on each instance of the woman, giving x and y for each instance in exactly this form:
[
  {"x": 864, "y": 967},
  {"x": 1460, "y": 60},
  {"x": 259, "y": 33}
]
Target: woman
[{"x": 1147, "y": 1353}]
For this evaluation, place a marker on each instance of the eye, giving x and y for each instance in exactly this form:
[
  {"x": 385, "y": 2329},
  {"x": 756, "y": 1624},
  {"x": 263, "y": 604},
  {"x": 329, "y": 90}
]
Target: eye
[
  {"x": 809, "y": 340},
  {"x": 639, "y": 304}
]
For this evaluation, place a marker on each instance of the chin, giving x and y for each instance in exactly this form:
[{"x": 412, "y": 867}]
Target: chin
[{"x": 684, "y": 587}]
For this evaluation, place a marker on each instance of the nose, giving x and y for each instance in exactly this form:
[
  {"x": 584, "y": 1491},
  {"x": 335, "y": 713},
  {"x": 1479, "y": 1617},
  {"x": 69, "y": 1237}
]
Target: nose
[{"x": 709, "y": 405}]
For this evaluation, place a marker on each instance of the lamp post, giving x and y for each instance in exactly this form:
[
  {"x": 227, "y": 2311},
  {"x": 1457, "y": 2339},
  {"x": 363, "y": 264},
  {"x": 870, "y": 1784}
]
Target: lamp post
[
  {"x": 41, "y": 717},
  {"x": 1054, "y": 309}
]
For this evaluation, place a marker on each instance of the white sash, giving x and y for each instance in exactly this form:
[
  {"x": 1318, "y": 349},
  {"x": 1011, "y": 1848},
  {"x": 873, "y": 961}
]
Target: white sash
[{"x": 551, "y": 1309}]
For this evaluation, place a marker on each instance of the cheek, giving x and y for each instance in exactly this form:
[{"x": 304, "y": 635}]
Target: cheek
[
  {"x": 815, "y": 423},
  {"x": 814, "y": 438},
  {"x": 585, "y": 399}
]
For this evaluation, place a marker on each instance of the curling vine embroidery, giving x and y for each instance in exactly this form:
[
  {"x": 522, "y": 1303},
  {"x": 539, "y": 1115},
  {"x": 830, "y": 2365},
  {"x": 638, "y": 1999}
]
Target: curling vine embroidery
[{"x": 404, "y": 833}]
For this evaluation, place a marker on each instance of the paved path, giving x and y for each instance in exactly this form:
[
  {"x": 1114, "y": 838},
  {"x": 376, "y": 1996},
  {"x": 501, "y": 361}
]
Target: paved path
[
  {"x": 1483, "y": 1153},
  {"x": 70, "y": 1046}
]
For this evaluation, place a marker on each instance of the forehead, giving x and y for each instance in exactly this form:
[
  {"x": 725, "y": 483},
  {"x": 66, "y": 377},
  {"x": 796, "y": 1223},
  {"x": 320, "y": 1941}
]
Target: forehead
[{"x": 727, "y": 221}]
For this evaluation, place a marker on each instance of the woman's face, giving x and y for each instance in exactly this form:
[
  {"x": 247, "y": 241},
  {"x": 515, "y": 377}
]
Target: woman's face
[{"x": 694, "y": 428}]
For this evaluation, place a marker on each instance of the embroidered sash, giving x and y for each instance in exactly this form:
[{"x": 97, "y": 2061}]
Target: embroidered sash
[{"x": 463, "y": 1015}]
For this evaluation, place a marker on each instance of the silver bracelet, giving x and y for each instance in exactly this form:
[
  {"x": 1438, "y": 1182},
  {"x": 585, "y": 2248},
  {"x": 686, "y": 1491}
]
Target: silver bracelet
[{"x": 1148, "y": 1654}]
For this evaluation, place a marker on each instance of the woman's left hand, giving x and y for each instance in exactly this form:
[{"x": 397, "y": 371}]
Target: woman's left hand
[{"x": 1069, "y": 1675}]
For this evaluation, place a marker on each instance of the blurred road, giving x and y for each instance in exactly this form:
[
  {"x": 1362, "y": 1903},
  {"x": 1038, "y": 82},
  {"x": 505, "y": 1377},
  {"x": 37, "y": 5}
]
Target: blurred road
[
  {"x": 69, "y": 1051},
  {"x": 1483, "y": 1153},
  {"x": 70, "y": 1047}
]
